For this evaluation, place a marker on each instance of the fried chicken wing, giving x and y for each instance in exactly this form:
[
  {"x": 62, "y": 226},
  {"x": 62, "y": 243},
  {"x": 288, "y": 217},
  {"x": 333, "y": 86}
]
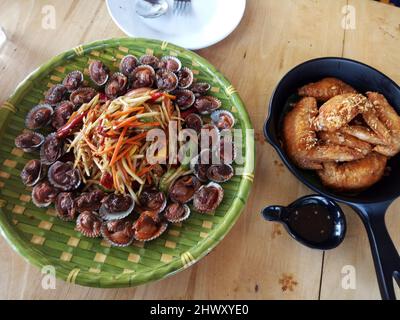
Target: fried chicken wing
[
  {"x": 377, "y": 126},
  {"x": 353, "y": 176},
  {"x": 386, "y": 113},
  {"x": 362, "y": 133},
  {"x": 340, "y": 110},
  {"x": 387, "y": 150},
  {"x": 344, "y": 139},
  {"x": 301, "y": 143},
  {"x": 348, "y": 140},
  {"x": 326, "y": 89},
  {"x": 298, "y": 135},
  {"x": 389, "y": 119},
  {"x": 331, "y": 152}
]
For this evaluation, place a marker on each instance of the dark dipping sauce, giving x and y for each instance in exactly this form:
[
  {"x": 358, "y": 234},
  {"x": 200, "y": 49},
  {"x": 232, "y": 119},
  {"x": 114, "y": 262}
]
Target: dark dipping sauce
[{"x": 311, "y": 222}]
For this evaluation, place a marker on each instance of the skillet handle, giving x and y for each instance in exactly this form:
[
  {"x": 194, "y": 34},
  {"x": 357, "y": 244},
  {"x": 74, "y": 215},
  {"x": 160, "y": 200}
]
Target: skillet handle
[{"x": 385, "y": 255}]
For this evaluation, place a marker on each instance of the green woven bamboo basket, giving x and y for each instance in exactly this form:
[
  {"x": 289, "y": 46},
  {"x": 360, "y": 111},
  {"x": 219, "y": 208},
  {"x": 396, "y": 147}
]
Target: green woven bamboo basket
[{"x": 43, "y": 239}]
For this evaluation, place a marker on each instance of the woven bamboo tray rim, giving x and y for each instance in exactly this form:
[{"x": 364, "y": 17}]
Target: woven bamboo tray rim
[{"x": 111, "y": 271}]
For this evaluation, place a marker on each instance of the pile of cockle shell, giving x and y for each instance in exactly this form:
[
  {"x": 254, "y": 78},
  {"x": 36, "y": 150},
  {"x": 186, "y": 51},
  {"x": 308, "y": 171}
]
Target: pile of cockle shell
[{"x": 101, "y": 212}]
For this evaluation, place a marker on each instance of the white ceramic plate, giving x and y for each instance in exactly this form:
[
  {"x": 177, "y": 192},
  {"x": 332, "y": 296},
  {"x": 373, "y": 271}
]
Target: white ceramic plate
[{"x": 206, "y": 23}]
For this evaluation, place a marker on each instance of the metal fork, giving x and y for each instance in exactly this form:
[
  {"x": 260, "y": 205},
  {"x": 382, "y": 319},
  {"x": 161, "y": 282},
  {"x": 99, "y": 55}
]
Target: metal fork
[{"x": 181, "y": 6}]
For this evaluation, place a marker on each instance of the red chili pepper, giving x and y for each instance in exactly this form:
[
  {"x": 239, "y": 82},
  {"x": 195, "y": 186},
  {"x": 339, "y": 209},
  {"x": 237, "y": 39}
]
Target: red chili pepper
[
  {"x": 107, "y": 180},
  {"x": 102, "y": 97},
  {"x": 67, "y": 129},
  {"x": 156, "y": 96}
]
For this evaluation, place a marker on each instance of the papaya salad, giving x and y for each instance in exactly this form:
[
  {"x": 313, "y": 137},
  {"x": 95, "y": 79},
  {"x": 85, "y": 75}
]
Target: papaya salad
[
  {"x": 110, "y": 148},
  {"x": 93, "y": 165}
]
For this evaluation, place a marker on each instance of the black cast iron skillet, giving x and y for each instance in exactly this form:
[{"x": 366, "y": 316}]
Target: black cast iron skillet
[{"x": 372, "y": 204}]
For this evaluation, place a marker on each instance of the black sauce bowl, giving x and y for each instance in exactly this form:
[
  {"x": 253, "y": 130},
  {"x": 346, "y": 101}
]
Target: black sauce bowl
[
  {"x": 333, "y": 236},
  {"x": 372, "y": 204}
]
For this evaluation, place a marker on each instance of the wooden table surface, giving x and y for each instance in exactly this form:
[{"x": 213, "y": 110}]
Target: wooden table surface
[{"x": 256, "y": 260}]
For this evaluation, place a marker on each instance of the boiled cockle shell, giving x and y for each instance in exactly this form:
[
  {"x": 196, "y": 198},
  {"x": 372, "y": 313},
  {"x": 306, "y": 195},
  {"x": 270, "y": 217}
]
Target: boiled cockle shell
[
  {"x": 65, "y": 206},
  {"x": 152, "y": 199},
  {"x": 166, "y": 80},
  {"x": 32, "y": 172},
  {"x": 207, "y": 104},
  {"x": 143, "y": 77},
  {"x": 170, "y": 63},
  {"x": 150, "y": 60},
  {"x": 112, "y": 225},
  {"x": 43, "y": 194},
  {"x": 200, "y": 88},
  {"x": 208, "y": 198},
  {"x": 29, "y": 141},
  {"x": 118, "y": 233},
  {"x": 185, "y": 78},
  {"x": 220, "y": 173},
  {"x": 98, "y": 72},
  {"x": 73, "y": 80},
  {"x": 183, "y": 189},
  {"x": 64, "y": 176},
  {"x": 223, "y": 119},
  {"x": 52, "y": 149},
  {"x": 176, "y": 212},
  {"x": 149, "y": 226},
  {"x": 89, "y": 224},
  {"x": 116, "y": 86},
  {"x": 128, "y": 64},
  {"x": 200, "y": 164},
  {"x": 39, "y": 116},
  {"x": 62, "y": 113},
  {"x": 194, "y": 121},
  {"x": 89, "y": 201},
  {"x": 184, "y": 99},
  {"x": 82, "y": 95},
  {"x": 55, "y": 94},
  {"x": 116, "y": 206}
]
